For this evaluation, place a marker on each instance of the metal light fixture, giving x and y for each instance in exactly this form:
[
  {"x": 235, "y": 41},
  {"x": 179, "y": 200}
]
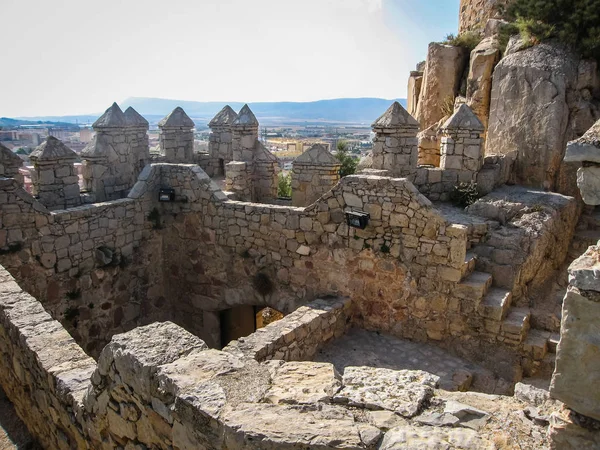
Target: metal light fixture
[
  {"x": 166, "y": 195},
  {"x": 357, "y": 219}
]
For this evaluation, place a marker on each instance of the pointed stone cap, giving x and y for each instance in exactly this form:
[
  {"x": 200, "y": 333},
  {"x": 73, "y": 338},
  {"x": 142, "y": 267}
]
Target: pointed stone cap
[
  {"x": 134, "y": 118},
  {"x": 177, "y": 119},
  {"x": 463, "y": 119},
  {"x": 224, "y": 117},
  {"x": 113, "y": 117},
  {"x": 262, "y": 154},
  {"x": 51, "y": 150},
  {"x": 245, "y": 118},
  {"x": 586, "y": 148},
  {"x": 8, "y": 157},
  {"x": 317, "y": 155},
  {"x": 395, "y": 117}
]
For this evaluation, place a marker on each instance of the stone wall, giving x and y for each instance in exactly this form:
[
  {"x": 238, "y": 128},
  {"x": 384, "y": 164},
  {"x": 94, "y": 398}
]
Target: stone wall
[
  {"x": 314, "y": 172},
  {"x": 44, "y": 372},
  {"x": 86, "y": 264},
  {"x": 299, "y": 335}
]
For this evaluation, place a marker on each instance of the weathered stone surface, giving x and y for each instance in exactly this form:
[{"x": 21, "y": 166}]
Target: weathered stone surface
[
  {"x": 52, "y": 149},
  {"x": 113, "y": 117},
  {"x": 415, "y": 84},
  {"x": 479, "y": 81},
  {"x": 134, "y": 118},
  {"x": 424, "y": 438},
  {"x": 529, "y": 112},
  {"x": 303, "y": 383},
  {"x": 567, "y": 434},
  {"x": 395, "y": 117},
  {"x": 586, "y": 148},
  {"x": 224, "y": 117},
  {"x": 584, "y": 272},
  {"x": 588, "y": 182},
  {"x": 577, "y": 370},
  {"x": 401, "y": 391},
  {"x": 474, "y": 14},
  {"x": 443, "y": 72},
  {"x": 245, "y": 118},
  {"x": 273, "y": 427},
  {"x": 177, "y": 119}
]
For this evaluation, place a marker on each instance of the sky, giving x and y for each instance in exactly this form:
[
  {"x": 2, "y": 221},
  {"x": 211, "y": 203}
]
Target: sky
[{"x": 78, "y": 56}]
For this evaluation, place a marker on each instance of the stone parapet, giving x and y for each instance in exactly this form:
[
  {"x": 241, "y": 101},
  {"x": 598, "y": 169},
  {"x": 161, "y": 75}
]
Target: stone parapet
[
  {"x": 55, "y": 180},
  {"x": 314, "y": 172},
  {"x": 395, "y": 147},
  {"x": 116, "y": 155},
  {"x": 461, "y": 144},
  {"x": 10, "y": 163},
  {"x": 299, "y": 335},
  {"x": 238, "y": 179},
  {"x": 177, "y": 137}
]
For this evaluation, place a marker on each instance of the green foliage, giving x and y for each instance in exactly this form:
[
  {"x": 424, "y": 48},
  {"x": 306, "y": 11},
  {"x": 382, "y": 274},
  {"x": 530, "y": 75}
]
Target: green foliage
[
  {"x": 448, "y": 106},
  {"x": 263, "y": 284},
  {"x": 573, "y": 22},
  {"x": 465, "y": 194},
  {"x": 348, "y": 162},
  {"x": 504, "y": 34},
  {"x": 468, "y": 40},
  {"x": 154, "y": 217},
  {"x": 284, "y": 185},
  {"x": 71, "y": 313},
  {"x": 74, "y": 294}
]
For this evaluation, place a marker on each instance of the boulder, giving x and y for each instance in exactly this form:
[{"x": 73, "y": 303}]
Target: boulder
[
  {"x": 401, "y": 391},
  {"x": 415, "y": 82},
  {"x": 577, "y": 375},
  {"x": 443, "y": 72},
  {"x": 479, "y": 81},
  {"x": 426, "y": 437},
  {"x": 529, "y": 111}
]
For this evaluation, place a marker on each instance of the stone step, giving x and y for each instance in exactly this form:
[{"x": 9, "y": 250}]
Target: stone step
[
  {"x": 474, "y": 287},
  {"x": 514, "y": 328},
  {"x": 469, "y": 265},
  {"x": 495, "y": 304},
  {"x": 553, "y": 342},
  {"x": 536, "y": 344}
]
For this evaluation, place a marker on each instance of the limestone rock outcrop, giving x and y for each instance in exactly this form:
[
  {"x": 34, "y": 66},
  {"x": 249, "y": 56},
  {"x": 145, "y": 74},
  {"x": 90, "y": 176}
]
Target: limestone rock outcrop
[
  {"x": 578, "y": 353},
  {"x": 443, "y": 73},
  {"x": 586, "y": 151},
  {"x": 475, "y": 13},
  {"x": 479, "y": 82},
  {"x": 529, "y": 111}
]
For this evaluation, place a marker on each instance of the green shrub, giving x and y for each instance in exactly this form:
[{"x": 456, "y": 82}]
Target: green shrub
[
  {"x": 573, "y": 22},
  {"x": 284, "y": 185},
  {"x": 464, "y": 194},
  {"x": 348, "y": 162},
  {"x": 468, "y": 40}
]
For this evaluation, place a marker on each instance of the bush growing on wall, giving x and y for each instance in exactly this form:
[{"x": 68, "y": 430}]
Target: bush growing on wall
[
  {"x": 284, "y": 185},
  {"x": 573, "y": 22},
  {"x": 348, "y": 162}
]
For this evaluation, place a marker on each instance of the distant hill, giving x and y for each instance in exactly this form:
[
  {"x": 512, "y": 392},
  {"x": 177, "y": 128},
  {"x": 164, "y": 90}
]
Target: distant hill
[
  {"x": 11, "y": 123},
  {"x": 352, "y": 110},
  {"x": 335, "y": 111}
]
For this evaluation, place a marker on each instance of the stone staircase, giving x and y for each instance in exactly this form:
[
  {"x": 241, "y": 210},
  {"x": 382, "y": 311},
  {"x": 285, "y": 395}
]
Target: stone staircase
[{"x": 493, "y": 314}]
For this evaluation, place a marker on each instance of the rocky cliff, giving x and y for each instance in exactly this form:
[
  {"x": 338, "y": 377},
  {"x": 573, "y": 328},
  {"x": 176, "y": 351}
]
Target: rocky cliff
[{"x": 475, "y": 13}]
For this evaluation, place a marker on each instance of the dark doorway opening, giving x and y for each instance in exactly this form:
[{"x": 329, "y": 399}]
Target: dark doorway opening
[
  {"x": 242, "y": 321},
  {"x": 221, "y": 166}
]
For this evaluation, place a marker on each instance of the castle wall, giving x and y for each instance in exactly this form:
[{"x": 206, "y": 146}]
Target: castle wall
[{"x": 85, "y": 264}]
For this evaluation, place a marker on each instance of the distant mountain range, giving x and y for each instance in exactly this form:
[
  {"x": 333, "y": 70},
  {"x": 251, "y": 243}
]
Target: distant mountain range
[
  {"x": 335, "y": 111},
  {"x": 11, "y": 123}
]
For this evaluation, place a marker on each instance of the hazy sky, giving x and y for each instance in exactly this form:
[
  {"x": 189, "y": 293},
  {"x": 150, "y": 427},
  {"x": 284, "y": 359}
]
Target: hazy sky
[{"x": 78, "y": 56}]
